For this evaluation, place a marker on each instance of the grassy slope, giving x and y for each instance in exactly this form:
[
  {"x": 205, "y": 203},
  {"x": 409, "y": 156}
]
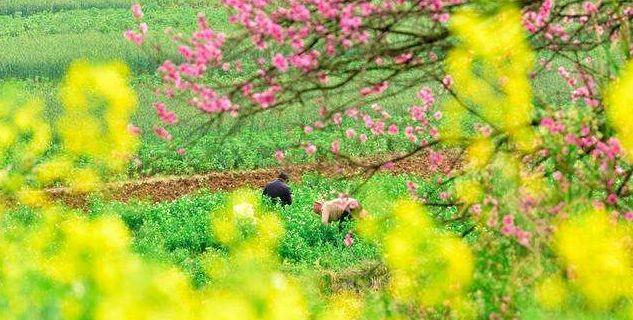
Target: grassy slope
[{"x": 43, "y": 44}]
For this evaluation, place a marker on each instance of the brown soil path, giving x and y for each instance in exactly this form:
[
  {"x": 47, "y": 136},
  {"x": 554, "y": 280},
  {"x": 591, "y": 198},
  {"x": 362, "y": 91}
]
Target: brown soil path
[{"x": 173, "y": 187}]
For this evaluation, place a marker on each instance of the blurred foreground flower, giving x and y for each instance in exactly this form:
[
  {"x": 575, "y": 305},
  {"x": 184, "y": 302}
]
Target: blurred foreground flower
[
  {"x": 24, "y": 137},
  {"x": 619, "y": 111},
  {"x": 429, "y": 268},
  {"x": 69, "y": 267},
  {"x": 247, "y": 283},
  {"x": 598, "y": 256}
]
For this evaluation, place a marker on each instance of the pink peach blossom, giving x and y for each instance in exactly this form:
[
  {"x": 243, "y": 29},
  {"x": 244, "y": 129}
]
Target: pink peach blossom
[
  {"x": 134, "y": 130},
  {"x": 336, "y": 147},
  {"x": 137, "y": 11},
  {"x": 310, "y": 149},
  {"x": 279, "y": 155}
]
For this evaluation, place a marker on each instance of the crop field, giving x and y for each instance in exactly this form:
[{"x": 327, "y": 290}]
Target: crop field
[
  {"x": 41, "y": 46},
  {"x": 444, "y": 159}
]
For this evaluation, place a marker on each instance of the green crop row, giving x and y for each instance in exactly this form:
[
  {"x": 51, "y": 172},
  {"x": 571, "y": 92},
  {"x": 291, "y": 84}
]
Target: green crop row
[
  {"x": 50, "y": 56},
  {"x": 107, "y": 20},
  {"x": 29, "y": 7},
  {"x": 43, "y": 44}
]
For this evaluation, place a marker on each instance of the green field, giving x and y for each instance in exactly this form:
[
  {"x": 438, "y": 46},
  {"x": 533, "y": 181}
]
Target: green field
[
  {"x": 179, "y": 232},
  {"x": 31, "y": 7},
  {"x": 41, "y": 44}
]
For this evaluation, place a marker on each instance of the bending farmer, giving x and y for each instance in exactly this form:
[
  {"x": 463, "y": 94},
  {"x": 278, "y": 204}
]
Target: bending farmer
[{"x": 278, "y": 190}]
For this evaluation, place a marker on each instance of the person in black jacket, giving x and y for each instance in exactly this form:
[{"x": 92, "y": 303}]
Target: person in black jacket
[{"x": 278, "y": 190}]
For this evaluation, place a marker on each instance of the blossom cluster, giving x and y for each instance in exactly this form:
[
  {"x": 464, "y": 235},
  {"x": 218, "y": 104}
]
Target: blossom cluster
[{"x": 295, "y": 40}]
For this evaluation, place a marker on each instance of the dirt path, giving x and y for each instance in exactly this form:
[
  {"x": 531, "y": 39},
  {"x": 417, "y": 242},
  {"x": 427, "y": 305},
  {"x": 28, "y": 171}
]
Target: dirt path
[{"x": 173, "y": 187}]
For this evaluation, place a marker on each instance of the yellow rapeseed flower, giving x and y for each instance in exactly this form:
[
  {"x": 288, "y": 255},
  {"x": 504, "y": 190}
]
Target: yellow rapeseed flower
[
  {"x": 22, "y": 128},
  {"x": 469, "y": 190},
  {"x": 491, "y": 77},
  {"x": 24, "y": 137},
  {"x": 98, "y": 103},
  {"x": 534, "y": 185},
  {"x": 427, "y": 267},
  {"x": 551, "y": 293},
  {"x": 54, "y": 169},
  {"x": 595, "y": 250},
  {"x": 343, "y": 306},
  {"x": 619, "y": 99},
  {"x": 479, "y": 153},
  {"x": 88, "y": 271},
  {"x": 84, "y": 180},
  {"x": 246, "y": 282}
]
